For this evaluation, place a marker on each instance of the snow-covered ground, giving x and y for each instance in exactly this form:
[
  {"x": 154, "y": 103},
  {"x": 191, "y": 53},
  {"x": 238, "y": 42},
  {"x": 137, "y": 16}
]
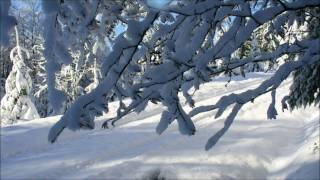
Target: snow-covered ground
[{"x": 253, "y": 148}]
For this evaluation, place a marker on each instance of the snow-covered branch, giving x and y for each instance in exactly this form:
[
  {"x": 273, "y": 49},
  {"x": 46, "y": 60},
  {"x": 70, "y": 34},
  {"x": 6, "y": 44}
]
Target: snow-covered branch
[
  {"x": 310, "y": 57},
  {"x": 170, "y": 50},
  {"x": 81, "y": 114}
]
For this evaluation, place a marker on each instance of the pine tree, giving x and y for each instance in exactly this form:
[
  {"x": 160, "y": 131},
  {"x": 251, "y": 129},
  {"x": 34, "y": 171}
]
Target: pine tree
[
  {"x": 17, "y": 104},
  {"x": 305, "y": 89},
  {"x": 259, "y": 42},
  {"x": 40, "y": 81}
]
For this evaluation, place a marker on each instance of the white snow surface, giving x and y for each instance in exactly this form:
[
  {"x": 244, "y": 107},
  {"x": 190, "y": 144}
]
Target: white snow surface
[{"x": 253, "y": 148}]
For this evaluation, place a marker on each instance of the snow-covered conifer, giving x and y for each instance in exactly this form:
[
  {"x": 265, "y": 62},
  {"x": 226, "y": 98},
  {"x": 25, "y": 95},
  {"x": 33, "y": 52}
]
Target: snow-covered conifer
[
  {"x": 306, "y": 87},
  {"x": 17, "y": 104}
]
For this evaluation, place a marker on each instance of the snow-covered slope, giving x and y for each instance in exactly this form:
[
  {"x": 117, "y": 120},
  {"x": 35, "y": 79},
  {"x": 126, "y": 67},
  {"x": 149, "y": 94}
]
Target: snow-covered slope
[{"x": 253, "y": 148}]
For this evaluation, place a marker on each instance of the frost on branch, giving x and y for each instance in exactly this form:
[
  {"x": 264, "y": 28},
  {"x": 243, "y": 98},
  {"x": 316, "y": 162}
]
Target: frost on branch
[{"x": 165, "y": 51}]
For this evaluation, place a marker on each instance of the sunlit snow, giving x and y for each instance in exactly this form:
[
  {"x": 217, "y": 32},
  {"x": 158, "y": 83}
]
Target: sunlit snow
[{"x": 253, "y": 148}]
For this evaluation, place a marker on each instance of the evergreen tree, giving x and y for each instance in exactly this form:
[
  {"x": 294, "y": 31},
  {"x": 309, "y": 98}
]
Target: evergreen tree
[
  {"x": 305, "y": 89},
  {"x": 17, "y": 104},
  {"x": 260, "y": 41}
]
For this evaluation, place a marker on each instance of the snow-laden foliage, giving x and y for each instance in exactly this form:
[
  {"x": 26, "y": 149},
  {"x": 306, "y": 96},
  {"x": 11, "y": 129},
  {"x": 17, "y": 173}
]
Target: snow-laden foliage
[
  {"x": 172, "y": 49},
  {"x": 260, "y": 41},
  {"x": 306, "y": 89},
  {"x": 17, "y": 104},
  {"x": 30, "y": 35},
  {"x": 75, "y": 29}
]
